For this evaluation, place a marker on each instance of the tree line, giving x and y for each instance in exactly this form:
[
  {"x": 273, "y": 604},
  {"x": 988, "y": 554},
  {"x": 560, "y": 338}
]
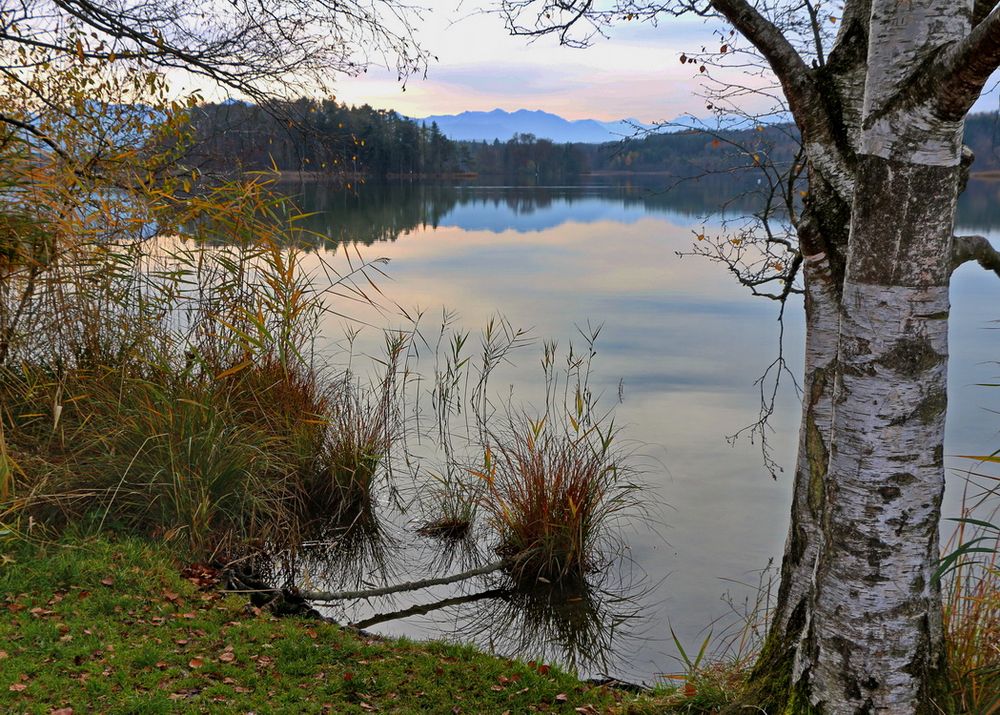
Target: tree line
[{"x": 326, "y": 136}]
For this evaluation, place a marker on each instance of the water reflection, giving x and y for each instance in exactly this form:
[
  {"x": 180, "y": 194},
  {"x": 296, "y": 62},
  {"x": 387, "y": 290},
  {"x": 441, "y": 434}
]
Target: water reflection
[
  {"x": 688, "y": 344},
  {"x": 374, "y": 213}
]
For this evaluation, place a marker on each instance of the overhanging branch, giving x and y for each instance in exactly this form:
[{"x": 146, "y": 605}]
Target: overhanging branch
[
  {"x": 975, "y": 248},
  {"x": 798, "y": 84},
  {"x": 960, "y": 72}
]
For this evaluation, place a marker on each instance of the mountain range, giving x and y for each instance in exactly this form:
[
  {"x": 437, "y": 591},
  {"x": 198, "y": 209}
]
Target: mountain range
[{"x": 502, "y": 125}]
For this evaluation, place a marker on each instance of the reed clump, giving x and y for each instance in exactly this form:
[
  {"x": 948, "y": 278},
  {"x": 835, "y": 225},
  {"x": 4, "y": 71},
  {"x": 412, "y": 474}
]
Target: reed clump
[
  {"x": 551, "y": 496},
  {"x": 156, "y": 371}
]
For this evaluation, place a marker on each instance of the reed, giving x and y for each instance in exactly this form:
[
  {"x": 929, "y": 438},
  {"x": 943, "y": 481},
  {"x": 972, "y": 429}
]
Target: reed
[
  {"x": 970, "y": 577},
  {"x": 156, "y": 370}
]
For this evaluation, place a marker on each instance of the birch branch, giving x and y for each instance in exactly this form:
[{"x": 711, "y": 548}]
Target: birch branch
[
  {"x": 975, "y": 248},
  {"x": 960, "y": 72},
  {"x": 324, "y": 596},
  {"x": 797, "y": 81}
]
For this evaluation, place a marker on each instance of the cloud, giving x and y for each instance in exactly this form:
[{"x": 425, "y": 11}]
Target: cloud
[{"x": 634, "y": 73}]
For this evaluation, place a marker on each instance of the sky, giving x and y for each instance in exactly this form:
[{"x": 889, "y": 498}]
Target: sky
[{"x": 636, "y": 73}]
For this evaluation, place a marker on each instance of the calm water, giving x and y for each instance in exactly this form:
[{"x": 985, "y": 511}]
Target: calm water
[{"x": 682, "y": 342}]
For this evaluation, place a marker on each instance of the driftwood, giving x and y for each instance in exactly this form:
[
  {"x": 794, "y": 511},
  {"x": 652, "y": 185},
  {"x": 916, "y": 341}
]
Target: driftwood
[
  {"x": 424, "y": 609},
  {"x": 326, "y": 596},
  {"x": 295, "y": 601}
]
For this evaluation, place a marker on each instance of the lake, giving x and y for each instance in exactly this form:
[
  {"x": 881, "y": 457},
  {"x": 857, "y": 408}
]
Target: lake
[{"x": 681, "y": 347}]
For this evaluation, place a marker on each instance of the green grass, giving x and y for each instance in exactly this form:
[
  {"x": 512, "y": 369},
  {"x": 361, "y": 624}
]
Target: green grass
[{"x": 113, "y": 627}]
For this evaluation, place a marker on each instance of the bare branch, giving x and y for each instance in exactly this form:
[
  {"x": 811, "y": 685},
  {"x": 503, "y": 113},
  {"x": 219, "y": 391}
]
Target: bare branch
[
  {"x": 975, "y": 248},
  {"x": 798, "y": 83},
  {"x": 981, "y": 10},
  {"x": 406, "y": 586},
  {"x": 961, "y": 70}
]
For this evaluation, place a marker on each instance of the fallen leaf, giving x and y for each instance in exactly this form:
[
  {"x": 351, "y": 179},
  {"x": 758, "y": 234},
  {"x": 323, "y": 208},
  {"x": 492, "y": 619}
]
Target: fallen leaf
[
  {"x": 62, "y": 711},
  {"x": 108, "y": 581},
  {"x": 561, "y": 698},
  {"x": 17, "y": 687},
  {"x": 544, "y": 669},
  {"x": 196, "y": 663},
  {"x": 227, "y": 656}
]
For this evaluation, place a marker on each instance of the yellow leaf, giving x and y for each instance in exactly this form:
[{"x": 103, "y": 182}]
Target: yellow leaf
[{"x": 233, "y": 370}]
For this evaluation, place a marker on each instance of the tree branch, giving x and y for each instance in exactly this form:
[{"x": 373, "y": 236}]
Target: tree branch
[
  {"x": 38, "y": 134},
  {"x": 981, "y": 10},
  {"x": 961, "y": 70},
  {"x": 975, "y": 248},
  {"x": 796, "y": 78},
  {"x": 406, "y": 586}
]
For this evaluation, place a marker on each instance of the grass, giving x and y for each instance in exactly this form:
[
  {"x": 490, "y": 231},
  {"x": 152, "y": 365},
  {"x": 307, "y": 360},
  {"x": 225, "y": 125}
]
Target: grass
[
  {"x": 168, "y": 385},
  {"x": 550, "y": 497},
  {"x": 114, "y": 627},
  {"x": 971, "y": 587}
]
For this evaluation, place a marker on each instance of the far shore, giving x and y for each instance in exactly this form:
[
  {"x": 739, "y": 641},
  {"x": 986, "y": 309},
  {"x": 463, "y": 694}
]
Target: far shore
[{"x": 289, "y": 176}]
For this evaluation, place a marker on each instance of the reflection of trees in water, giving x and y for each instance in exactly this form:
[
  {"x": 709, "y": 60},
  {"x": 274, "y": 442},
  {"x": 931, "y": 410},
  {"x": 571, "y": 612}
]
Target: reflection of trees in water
[
  {"x": 372, "y": 213},
  {"x": 977, "y": 206}
]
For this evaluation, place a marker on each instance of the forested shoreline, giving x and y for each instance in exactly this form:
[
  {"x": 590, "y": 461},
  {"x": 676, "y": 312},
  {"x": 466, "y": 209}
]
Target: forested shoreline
[{"x": 325, "y": 137}]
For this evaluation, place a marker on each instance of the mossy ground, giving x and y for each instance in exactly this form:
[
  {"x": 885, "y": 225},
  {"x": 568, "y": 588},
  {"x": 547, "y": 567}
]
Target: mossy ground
[{"x": 113, "y": 627}]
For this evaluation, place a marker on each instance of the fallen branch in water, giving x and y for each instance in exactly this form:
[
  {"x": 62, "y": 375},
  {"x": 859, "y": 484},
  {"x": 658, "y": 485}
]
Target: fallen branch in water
[
  {"x": 294, "y": 601},
  {"x": 424, "y": 609},
  {"x": 406, "y": 586}
]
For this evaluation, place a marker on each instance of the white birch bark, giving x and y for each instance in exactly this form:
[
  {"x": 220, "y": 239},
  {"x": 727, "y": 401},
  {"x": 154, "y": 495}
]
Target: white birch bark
[
  {"x": 805, "y": 529},
  {"x": 874, "y": 636}
]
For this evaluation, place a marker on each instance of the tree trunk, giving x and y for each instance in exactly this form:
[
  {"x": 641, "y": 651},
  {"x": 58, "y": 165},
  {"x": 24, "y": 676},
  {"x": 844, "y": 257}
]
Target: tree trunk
[
  {"x": 874, "y": 641},
  {"x": 858, "y": 626},
  {"x": 772, "y": 674},
  {"x": 875, "y": 633}
]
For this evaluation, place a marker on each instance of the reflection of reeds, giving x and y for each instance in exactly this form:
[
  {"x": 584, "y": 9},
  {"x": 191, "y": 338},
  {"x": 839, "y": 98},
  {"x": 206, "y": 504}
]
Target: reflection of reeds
[{"x": 584, "y": 627}]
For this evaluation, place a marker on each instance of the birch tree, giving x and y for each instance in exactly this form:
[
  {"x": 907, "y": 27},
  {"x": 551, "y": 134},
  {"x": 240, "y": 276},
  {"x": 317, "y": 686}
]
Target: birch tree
[{"x": 858, "y": 620}]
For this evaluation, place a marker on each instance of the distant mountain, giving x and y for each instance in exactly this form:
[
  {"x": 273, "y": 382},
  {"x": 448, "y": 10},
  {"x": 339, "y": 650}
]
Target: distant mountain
[{"x": 498, "y": 124}]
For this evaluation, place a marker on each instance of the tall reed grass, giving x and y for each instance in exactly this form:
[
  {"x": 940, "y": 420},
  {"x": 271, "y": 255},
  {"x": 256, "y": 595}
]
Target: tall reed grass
[
  {"x": 157, "y": 366},
  {"x": 970, "y": 573}
]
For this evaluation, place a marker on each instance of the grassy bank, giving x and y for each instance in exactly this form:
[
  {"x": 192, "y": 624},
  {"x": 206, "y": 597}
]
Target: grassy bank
[{"x": 117, "y": 627}]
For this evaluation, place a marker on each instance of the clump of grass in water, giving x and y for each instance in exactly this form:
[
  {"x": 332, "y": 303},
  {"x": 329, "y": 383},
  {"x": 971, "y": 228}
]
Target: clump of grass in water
[
  {"x": 362, "y": 428},
  {"x": 548, "y": 496},
  {"x": 554, "y": 486}
]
